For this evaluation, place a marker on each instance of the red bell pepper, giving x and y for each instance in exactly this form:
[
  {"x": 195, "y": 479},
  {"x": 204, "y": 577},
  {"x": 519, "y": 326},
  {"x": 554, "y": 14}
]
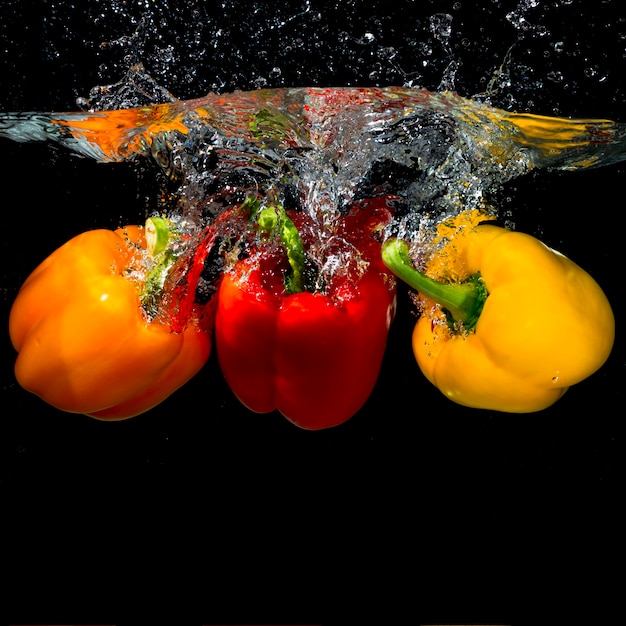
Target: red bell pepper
[{"x": 312, "y": 353}]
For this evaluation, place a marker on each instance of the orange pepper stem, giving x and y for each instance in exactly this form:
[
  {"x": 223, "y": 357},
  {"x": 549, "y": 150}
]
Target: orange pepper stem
[
  {"x": 158, "y": 231},
  {"x": 160, "y": 236},
  {"x": 463, "y": 301}
]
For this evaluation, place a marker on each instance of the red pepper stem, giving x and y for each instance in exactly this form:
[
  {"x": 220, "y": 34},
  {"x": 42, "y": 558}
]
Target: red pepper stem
[
  {"x": 273, "y": 219},
  {"x": 463, "y": 301}
]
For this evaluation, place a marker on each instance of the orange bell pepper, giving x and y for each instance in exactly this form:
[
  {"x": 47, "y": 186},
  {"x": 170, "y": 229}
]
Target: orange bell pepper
[{"x": 84, "y": 342}]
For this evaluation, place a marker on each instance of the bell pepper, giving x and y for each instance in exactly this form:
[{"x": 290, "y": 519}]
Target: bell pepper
[
  {"x": 86, "y": 344},
  {"x": 311, "y": 351},
  {"x": 506, "y": 323}
]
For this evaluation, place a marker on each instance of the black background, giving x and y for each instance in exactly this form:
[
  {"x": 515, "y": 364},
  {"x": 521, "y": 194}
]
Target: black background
[{"x": 200, "y": 511}]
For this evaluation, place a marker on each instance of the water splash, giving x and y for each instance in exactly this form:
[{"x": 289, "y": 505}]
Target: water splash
[
  {"x": 430, "y": 155},
  {"x": 427, "y": 155}
]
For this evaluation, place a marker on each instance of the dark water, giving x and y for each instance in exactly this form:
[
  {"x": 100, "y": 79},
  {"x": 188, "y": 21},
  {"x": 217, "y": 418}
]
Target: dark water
[{"x": 415, "y": 507}]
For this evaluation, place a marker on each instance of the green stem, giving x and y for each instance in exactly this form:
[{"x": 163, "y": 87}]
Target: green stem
[
  {"x": 463, "y": 301},
  {"x": 157, "y": 234},
  {"x": 159, "y": 237},
  {"x": 274, "y": 220}
]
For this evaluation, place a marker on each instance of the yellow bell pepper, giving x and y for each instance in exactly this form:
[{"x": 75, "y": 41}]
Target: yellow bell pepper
[{"x": 506, "y": 323}]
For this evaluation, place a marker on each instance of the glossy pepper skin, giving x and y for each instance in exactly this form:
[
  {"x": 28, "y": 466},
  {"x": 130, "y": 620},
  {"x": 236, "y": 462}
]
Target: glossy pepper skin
[
  {"x": 313, "y": 356},
  {"x": 84, "y": 343},
  {"x": 543, "y": 324}
]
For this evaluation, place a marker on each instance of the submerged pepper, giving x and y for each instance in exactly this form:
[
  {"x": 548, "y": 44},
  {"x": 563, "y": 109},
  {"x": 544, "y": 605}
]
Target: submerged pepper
[
  {"x": 314, "y": 354},
  {"x": 84, "y": 342},
  {"x": 507, "y": 323}
]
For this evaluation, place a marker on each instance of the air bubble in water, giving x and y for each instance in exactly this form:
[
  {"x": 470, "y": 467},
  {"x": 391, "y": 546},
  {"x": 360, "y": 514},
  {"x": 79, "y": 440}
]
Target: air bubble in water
[
  {"x": 555, "y": 77},
  {"x": 441, "y": 27}
]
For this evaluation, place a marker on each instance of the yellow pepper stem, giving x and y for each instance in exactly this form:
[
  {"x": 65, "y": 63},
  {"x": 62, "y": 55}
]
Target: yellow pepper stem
[{"x": 462, "y": 301}]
